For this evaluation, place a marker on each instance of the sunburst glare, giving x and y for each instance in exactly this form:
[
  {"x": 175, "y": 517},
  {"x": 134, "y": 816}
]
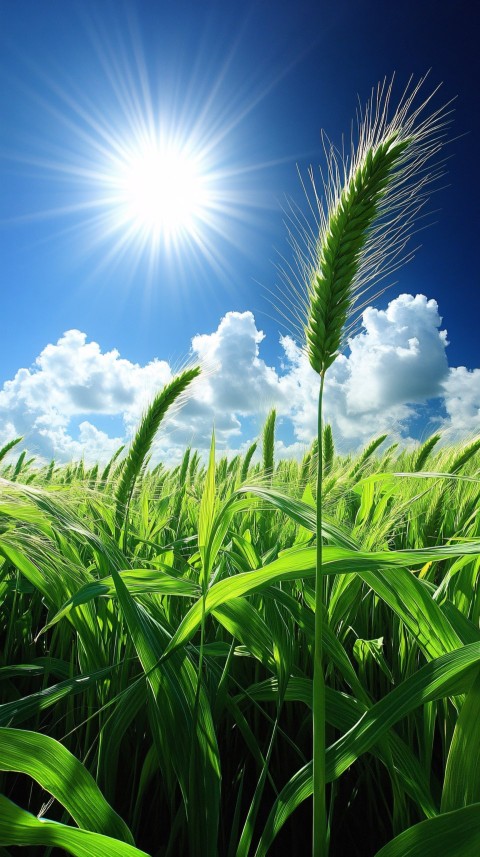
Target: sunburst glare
[
  {"x": 148, "y": 173},
  {"x": 163, "y": 191}
]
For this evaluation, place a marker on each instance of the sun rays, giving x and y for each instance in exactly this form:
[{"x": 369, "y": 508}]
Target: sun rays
[{"x": 146, "y": 174}]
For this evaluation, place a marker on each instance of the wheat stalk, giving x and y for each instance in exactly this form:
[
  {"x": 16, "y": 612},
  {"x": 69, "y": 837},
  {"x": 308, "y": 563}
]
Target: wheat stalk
[{"x": 371, "y": 203}]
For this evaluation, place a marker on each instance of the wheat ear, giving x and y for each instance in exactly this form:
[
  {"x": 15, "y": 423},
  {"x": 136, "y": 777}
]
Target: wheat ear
[
  {"x": 268, "y": 446},
  {"x": 331, "y": 292},
  {"x": 144, "y": 438},
  {"x": 246, "y": 461},
  {"x": 8, "y": 446},
  {"x": 328, "y": 449}
]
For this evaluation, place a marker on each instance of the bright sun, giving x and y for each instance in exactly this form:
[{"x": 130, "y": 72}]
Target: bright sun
[
  {"x": 153, "y": 181},
  {"x": 162, "y": 191}
]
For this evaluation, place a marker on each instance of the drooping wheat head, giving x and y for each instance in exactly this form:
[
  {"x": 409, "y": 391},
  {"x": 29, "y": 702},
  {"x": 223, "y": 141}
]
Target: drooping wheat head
[{"x": 145, "y": 435}]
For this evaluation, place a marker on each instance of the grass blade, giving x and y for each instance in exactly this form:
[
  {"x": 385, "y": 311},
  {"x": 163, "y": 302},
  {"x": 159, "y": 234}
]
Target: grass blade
[
  {"x": 64, "y": 777},
  {"x": 452, "y": 834},
  {"x": 18, "y": 827}
]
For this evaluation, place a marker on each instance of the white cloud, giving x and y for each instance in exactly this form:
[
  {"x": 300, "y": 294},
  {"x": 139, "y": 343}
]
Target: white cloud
[
  {"x": 241, "y": 382},
  {"x": 74, "y": 378},
  {"x": 92, "y": 444},
  {"x": 394, "y": 365},
  {"x": 462, "y": 402},
  {"x": 396, "y": 362},
  {"x": 236, "y": 383},
  {"x": 399, "y": 358}
]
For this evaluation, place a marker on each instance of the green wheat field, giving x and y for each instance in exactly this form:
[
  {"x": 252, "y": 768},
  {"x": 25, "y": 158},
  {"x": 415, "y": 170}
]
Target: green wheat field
[
  {"x": 247, "y": 657},
  {"x": 158, "y": 648}
]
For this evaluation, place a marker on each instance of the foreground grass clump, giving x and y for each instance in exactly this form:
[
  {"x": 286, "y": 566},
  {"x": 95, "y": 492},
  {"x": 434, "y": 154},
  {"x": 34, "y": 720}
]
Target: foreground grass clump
[{"x": 156, "y": 677}]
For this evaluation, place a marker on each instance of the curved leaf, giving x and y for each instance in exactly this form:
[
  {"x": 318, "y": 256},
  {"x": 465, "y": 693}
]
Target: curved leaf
[
  {"x": 20, "y": 709},
  {"x": 301, "y": 513},
  {"x": 64, "y": 777},
  {"x": 451, "y": 834},
  {"x": 139, "y": 581},
  {"x": 18, "y": 827},
  {"x": 462, "y": 774},
  {"x": 173, "y": 699},
  {"x": 300, "y": 563}
]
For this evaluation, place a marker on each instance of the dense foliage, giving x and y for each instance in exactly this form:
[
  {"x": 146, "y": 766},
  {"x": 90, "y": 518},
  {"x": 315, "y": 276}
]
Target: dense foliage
[{"x": 157, "y": 642}]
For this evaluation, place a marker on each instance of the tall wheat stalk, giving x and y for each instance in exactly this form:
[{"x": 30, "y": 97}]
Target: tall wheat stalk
[{"x": 371, "y": 204}]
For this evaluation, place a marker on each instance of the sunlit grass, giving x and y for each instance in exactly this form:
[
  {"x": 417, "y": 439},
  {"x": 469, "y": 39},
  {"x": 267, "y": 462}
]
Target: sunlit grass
[{"x": 106, "y": 633}]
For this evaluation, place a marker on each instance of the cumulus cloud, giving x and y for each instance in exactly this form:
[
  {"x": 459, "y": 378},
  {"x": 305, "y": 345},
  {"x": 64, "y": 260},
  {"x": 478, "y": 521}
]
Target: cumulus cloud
[
  {"x": 396, "y": 362},
  {"x": 399, "y": 358},
  {"x": 462, "y": 402},
  {"x": 74, "y": 378},
  {"x": 241, "y": 381},
  {"x": 393, "y": 367}
]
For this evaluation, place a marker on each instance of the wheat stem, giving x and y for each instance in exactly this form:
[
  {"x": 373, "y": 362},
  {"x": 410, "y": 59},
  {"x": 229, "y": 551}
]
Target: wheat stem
[{"x": 320, "y": 848}]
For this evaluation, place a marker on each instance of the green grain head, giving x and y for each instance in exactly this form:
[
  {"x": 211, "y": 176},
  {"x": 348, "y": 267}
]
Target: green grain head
[
  {"x": 332, "y": 287},
  {"x": 366, "y": 215},
  {"x": 269, "y": 443},
  {"x": 144, "y": 437},
  {"x": 328, "y": 449}
]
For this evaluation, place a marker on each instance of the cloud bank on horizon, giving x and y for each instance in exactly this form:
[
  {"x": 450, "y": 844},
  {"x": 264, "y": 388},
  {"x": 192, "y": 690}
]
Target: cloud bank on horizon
[{"x": 396, "y": 368}]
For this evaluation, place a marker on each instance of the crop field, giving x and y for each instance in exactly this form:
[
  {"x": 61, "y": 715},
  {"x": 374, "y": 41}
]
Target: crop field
[
  {"x": 158, "y": 633},
  {"x": 241, "y": 657}
]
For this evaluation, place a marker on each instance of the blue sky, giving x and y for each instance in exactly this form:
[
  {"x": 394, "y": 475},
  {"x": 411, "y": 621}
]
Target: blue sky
[{"x": 247, "y": 88}]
